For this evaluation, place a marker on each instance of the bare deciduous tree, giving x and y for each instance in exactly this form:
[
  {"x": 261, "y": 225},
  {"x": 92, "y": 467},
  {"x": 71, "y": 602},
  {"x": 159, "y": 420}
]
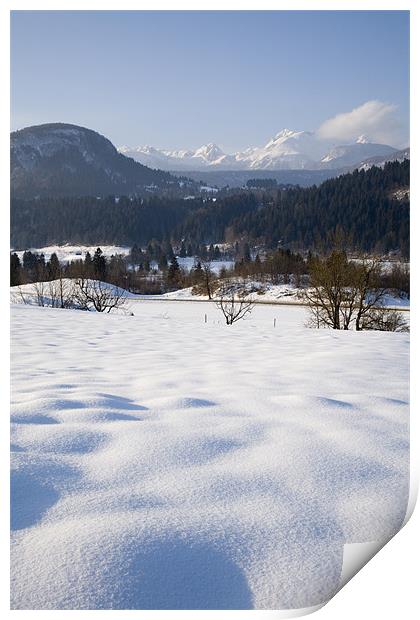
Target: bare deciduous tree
[
  {"x": 98, "y": 295},
  {"x": 346, "y": 292},
  {"x": 234, "y": 303},
  {"x": 53, "y": 294},
  {"x": 327, "y": 289},
  {"x": 368, "y": 292},
  {"x": 38, "y": 290},
  {"x": 20, "y": 295},
  {"x": 208, "y": 277},
  {"x": 61, "y": 292}
]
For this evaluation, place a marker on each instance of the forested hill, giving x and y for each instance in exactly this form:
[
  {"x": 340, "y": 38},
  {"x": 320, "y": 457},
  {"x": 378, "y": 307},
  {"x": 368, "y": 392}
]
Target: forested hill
[
  {"x": 58, "y": 159},
  {"x": 371, "y": 207}
]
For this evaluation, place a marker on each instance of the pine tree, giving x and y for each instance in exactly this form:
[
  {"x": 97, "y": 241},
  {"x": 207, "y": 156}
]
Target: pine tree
[
  {"x": 168, "y": 249},
  {"x": 197, "y": 272},
  {"x": 163, "y": 262},
  {"x": 15, "y": 270},
  {"x": 53, "y": 266},
  {"x": 99, "y": 265},
  {"x": 88, "y": 268},
  {"x": 174, "y": 272},
  {"x": 247, "y": 253}
]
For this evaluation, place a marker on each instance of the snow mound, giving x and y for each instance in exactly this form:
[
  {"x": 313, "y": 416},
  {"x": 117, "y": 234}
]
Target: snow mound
[{"x": 50, "y": 293}]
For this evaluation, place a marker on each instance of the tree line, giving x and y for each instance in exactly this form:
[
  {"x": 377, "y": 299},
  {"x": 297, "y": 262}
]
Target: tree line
[{"x": 156, "y": 268}]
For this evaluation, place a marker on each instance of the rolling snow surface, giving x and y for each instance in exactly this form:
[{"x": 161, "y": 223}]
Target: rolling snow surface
[{"x": 163, "y": 462}]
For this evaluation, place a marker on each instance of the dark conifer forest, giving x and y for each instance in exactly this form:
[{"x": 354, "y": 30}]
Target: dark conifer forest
[{"x": 371, "y": 208}]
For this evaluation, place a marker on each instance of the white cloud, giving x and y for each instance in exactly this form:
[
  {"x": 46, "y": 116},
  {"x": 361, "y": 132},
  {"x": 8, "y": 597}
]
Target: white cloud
[{"x": 375, "y": 119}]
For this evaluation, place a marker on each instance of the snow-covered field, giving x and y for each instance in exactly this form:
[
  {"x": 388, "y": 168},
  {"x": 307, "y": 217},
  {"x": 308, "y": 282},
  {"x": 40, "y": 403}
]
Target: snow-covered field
[
  {"x": 257, "y": 291},
  {"x": 69, "y": 253},
  {"x": 163, "y": 462},
  {"x": 188, "y": 262}
]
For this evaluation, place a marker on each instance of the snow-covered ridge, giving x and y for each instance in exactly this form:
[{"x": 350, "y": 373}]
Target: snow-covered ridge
[
  {"x": 380, "y": 161},
  {"x": 288, "y": 149},
  {"x": 46, "y": 141}
]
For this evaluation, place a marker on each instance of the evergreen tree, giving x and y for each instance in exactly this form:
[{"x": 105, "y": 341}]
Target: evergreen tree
[
  {"x": 15, "y": 270},
  {"x": 163, "y": 262},
  {"x": 202, "y": 252},
  {"x": 197, "y": 272},
  {"x": 136, "y": 255},
  {"x": 174, "y": 272},
  {"x": 99, "y": 265},
  {"x": 29, "y": 260},
  {"x": 88, "y": 265},
  {"x": 41, "y": 268},
  {"x": 168, "y": 249},
  {"x": 53, "y": 266}
]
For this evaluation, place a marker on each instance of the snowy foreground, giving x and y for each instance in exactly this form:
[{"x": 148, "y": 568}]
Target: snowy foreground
[{"x": 161, "y": 462}]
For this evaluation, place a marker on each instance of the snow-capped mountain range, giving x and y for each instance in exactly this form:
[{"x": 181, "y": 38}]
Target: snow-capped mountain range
[{"x": 287, "y": 150}]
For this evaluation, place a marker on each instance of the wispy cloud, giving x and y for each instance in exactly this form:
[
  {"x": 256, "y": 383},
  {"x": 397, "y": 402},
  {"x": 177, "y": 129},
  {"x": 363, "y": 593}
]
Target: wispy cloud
[{"x": 375, "y": 119}]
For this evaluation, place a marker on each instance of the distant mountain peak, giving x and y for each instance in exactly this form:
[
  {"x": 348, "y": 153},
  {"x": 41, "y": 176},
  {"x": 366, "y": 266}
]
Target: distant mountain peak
[
  {"x": 285, "y": 133},
  {"x": 288, "y": 149},
  {"x": 210, "y": 152},
  {"x": 363, "y": 139}
]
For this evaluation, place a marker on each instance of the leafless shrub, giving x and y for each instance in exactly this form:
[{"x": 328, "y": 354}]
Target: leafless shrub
[
  {"x": 384, "y": 320},
  {"x": 233, "y": 302},
  {"x": 38, "y": 291},
  {"x": 53, "y": 296},
  {"x": 18, "y": 296},
  {"x": 61, "y": 292},
  {"x": 94, "y": 294}
]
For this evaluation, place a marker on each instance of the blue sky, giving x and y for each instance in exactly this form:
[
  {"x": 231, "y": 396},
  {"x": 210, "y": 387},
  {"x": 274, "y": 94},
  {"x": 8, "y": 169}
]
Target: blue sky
[{"x": 182, "y": 79}]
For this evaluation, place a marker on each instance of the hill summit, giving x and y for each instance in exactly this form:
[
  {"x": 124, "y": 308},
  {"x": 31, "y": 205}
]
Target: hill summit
[{"x": 60, "y": 159}]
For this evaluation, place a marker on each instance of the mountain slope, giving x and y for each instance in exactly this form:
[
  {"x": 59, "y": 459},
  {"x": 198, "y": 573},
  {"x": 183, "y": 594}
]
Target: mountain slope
[
  {"x": 370, "y": 207},
  {"x": 60, "y": 159},
  {"x": 352, "y": 154},
  {"x": 380, "y": 161}
]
